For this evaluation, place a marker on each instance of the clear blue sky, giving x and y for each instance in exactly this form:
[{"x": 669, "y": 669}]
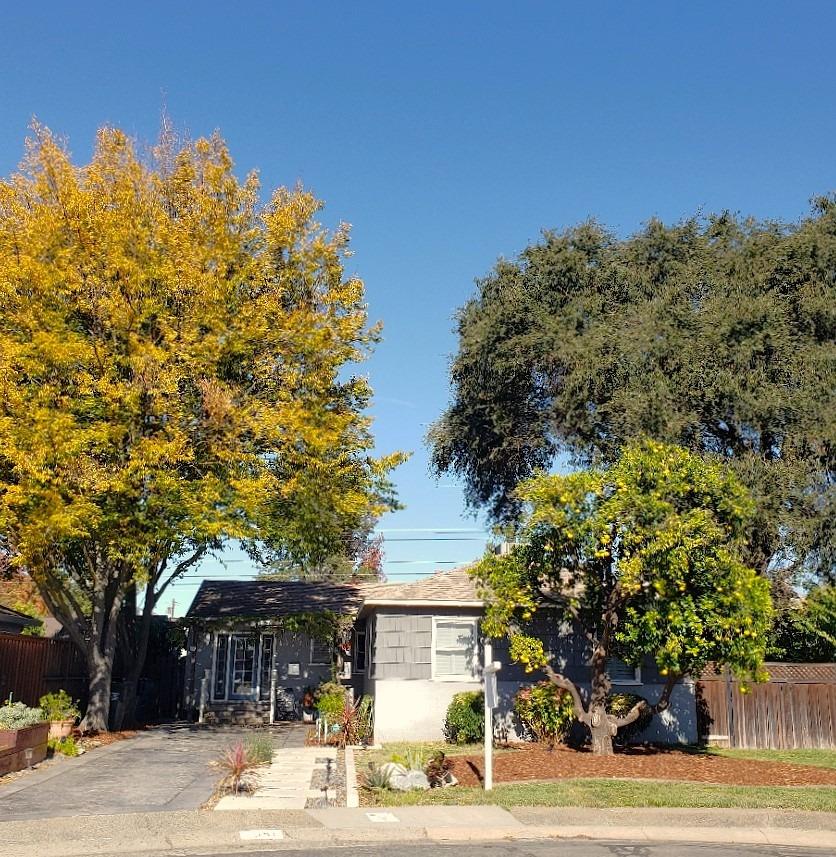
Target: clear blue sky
[{"x": 449, "y": 134}]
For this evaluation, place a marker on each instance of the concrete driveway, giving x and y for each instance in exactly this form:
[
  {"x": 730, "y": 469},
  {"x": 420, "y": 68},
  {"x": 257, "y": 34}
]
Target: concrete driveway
[{"x": 163, "y": 769}]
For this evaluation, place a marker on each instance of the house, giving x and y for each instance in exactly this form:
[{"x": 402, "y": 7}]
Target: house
[
  {"x": 14, "y": 622},
  {"x": 410, "y": 646}
]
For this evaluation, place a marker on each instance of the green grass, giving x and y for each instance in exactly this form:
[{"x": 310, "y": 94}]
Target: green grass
[
  {"x": 615, "y": 793},
  {"x": 817, "y": 758},
  {"x": 426, "y": 748}
]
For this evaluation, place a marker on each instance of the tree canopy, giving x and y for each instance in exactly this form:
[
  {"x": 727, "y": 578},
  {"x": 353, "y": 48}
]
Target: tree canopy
[
  {"x": 717, "y": 334},
  {"x": 174, "y": 372},
  {"x": 644, "y": 559}
]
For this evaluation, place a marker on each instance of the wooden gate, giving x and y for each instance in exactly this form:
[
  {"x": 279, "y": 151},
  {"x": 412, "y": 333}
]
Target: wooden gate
[{"x": 795, "y": 709}]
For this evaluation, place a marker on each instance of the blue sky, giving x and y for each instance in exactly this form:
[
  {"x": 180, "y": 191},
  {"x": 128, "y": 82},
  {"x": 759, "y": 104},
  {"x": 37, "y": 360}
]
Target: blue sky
[{"x": 450, "y": 134}]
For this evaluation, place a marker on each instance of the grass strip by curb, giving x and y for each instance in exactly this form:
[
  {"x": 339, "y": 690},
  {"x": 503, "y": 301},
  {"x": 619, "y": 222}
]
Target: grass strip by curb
[{"x": 615, "y": 793}]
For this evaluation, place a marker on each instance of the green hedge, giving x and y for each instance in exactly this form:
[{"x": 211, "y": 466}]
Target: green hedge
[{"x": 465, "y": 723}]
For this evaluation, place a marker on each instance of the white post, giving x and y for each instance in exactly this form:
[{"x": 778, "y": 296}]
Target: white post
[
  {"x": 273, "y": 678},
  {"x": 204, "y": 693},
  {"x": 489, "y": 672},
  {"x": 488, "y": 721}
]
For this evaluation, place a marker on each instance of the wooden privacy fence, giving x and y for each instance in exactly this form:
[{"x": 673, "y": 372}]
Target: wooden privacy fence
[
  {"x": 33, "y": 666},
  {"x": 795, "y": 709}
]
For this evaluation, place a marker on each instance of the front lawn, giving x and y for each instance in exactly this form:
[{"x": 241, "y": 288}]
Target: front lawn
[
  {"x": 615, "y": 793},
  {"x": 817, "y": 758}
]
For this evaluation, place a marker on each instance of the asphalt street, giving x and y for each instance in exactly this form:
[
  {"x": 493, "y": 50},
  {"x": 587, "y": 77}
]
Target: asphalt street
[{"x": 562, "y": 848}]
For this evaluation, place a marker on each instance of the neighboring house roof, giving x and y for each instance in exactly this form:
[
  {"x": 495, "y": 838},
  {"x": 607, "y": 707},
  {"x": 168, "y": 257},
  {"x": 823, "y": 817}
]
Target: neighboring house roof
[
  {"x": 448, "y": 588},
  {"x": 14, "y": 619},
  {"x": 220, "y": 599}
]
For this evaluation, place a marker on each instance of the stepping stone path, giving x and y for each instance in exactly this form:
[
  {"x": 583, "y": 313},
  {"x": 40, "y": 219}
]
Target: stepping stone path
[{"x": 286, "y": 784}]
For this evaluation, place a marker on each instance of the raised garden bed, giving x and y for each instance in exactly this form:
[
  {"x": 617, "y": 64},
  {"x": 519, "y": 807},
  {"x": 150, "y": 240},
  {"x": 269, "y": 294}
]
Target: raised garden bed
[
  {"x": 535, "y": 762},
  {"x": 15, "y": 742}
]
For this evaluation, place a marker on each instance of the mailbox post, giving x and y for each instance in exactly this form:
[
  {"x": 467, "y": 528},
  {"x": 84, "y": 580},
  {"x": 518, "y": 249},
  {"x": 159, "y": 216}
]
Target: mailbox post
[{"x": 489, "y": 672}]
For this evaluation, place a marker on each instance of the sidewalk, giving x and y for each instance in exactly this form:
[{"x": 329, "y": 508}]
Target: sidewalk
[{"x": 192, "y": 832}]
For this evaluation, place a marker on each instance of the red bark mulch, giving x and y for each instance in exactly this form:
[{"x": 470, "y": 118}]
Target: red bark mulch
[
  {"x": 536, "y": 762},
  {"x": 101, "y": 739}
]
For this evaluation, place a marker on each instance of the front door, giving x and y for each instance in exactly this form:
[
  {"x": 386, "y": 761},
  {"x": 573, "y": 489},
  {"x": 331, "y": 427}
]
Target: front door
[{"x": 243, "y": 664}]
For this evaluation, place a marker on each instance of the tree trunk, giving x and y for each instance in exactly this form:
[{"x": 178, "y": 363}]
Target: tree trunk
[
  {"x": 602, "y": 731},
  {"x": 134, "y": 660},
  {"x": 100, "y": 670}
]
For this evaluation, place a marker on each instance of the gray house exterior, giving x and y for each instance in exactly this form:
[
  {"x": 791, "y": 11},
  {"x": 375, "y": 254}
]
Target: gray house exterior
[{"x": 412, "y": 647}]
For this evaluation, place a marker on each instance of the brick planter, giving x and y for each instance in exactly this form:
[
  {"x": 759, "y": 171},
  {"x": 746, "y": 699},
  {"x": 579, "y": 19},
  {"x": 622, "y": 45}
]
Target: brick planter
[{"x": 15, "y": 742}]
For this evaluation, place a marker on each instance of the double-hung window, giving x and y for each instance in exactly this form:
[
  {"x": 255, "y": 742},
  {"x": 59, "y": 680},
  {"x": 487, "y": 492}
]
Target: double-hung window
[{"x": 455, "y": 649}]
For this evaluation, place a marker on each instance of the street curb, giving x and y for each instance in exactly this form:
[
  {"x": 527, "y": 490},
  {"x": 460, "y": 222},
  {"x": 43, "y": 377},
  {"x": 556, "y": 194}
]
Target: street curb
[
  {"x": 352, "y": 797},
  {"x": 199, "y": 841}
]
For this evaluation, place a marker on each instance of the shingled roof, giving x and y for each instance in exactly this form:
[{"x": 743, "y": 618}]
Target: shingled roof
[
  {"x": 455, "y": 586},
  {"x": 226, "y": 599}
]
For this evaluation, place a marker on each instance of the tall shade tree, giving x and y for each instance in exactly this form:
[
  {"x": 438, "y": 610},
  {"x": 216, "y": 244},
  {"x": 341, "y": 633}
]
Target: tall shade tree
[
  {"x": 718, "y": 335},
  {"x": 173, "y": 373},
  {"x": 644, "y": 559}
]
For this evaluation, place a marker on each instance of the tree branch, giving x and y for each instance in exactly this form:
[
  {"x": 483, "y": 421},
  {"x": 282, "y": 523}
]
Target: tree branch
[{"x": 566, "y": 684}]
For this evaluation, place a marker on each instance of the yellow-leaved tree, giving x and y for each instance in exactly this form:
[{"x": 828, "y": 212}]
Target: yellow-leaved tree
[{"x": 174, "y": 372}]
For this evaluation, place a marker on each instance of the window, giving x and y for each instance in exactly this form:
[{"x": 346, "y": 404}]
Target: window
[
  {"x": 623, "y": 673},
  {"x": 219, "y": 685},
  {"x": 322, "y": 653},
  {"x": 359, "y": 651},
  {"x": 455, "y": 650}
]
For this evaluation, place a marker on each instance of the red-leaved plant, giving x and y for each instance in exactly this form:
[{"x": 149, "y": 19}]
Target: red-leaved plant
[{"x": 237, "y": 763}]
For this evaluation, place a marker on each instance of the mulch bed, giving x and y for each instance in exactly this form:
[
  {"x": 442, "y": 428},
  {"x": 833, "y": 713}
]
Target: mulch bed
[
  {"x": 536, "y": 762},
  {"x": 101, "y": 739}
]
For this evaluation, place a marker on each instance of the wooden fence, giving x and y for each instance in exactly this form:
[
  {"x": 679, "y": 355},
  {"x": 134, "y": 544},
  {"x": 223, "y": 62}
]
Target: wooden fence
[
  {"x": 33, "y": 666},
  {"x": 795, "y": 709}
]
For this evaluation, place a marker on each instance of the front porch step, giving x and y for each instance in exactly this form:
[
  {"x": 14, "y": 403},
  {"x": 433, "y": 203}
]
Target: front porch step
[{"x": 241, "y": 713}]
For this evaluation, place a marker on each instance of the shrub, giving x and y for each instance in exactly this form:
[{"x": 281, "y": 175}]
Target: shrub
[
  {"x": 437, "y": 769},
  {"x": 66, "y": 746},
  {"x": 237, "y": 765},
  {"x": 331, "y": 701},
  {"x": 545, "y": 711},
  {"x": 59, "y": 706},
  {"x": 16, "y": 715},
  {"x": 354, "y": 722},
  {"x": 412, "y": 759},
  {"x": 465, "y": 723},
  {"x": 619, "y": 704},
  {"x": 260, "y": 749},
  {"x": 376, "y": 778}
]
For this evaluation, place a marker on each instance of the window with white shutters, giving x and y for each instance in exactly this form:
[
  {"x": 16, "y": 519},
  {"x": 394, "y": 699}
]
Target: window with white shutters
[{"x": 455, "y": 654}]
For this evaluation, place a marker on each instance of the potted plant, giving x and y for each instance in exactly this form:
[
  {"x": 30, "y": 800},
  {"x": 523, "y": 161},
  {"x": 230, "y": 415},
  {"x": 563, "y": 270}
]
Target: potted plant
[
  {"x": 23, "y": 736},
  {"x": 61, "y": 712}
]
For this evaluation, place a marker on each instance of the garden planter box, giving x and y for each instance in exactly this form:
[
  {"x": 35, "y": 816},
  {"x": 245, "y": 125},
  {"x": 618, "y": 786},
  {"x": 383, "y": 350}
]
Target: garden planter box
[{"x": 15, "y": 742}]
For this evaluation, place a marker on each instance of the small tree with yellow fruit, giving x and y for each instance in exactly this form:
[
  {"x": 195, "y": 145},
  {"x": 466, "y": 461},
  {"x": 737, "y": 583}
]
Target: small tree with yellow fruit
[{"x": 644, "y": 559}]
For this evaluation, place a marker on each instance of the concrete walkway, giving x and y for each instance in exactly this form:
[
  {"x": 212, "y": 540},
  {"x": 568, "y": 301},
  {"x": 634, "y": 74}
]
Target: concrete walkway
[
  {"x": 163, "y": 769},
  {"x": 288, "y": 782}
]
